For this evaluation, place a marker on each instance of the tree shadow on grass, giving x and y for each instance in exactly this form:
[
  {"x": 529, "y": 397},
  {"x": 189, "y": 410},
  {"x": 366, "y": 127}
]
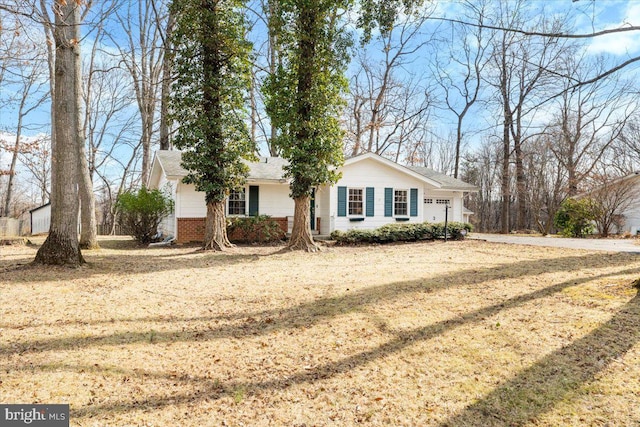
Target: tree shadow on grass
[
  {"x": 307, "y": 314},
  {"x": 556, "y": 377},
  {"x": 152, "y": 261},
  {"x": 532, "y": 392},
  {"x": 161, "y": 261}
]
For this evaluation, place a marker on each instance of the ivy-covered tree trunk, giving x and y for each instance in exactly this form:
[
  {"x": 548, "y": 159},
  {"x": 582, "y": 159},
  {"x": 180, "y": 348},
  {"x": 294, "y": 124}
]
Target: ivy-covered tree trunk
[
  {"x": 307, "y": 72},
  {"x": 208, "y": 103},
  {"x": 61, "y": 246},
  {"x": 304, "y": 101},
  {"x": 215, "y": 230},
  {"x": 165, "y": 88},
  {"x": 301, "y": 238}
]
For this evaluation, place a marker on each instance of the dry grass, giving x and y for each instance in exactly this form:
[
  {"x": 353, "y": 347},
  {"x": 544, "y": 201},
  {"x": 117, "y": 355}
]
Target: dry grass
[{"x": 456, "y": 334}]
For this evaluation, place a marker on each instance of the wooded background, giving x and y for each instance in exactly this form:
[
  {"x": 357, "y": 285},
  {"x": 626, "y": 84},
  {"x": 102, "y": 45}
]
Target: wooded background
[{"x": 533, "y": 102}]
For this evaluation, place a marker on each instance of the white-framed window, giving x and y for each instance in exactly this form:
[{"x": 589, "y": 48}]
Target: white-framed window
[
  {"x": 355, "y": 202},
  {"x": 237, "y": 202},
  {"x": 443, "y": 201},
  {"x": 428, "y": 201},
  {"x": 400, "y": 202}
]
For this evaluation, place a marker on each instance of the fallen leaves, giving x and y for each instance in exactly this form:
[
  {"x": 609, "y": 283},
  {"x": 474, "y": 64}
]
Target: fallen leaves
[{"x": 337, "y": 338}]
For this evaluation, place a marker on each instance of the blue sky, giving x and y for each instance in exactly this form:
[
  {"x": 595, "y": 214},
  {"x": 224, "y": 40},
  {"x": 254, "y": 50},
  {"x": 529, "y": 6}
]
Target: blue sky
[{"x": 587, "y": 16}]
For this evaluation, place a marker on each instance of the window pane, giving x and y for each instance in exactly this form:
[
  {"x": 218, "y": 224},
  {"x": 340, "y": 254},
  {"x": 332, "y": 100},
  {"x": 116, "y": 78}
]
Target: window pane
[
  {"x": 355, "y": 201},
  {"x": 237, "y": 203},
  {"x": 400, "y": 202}
]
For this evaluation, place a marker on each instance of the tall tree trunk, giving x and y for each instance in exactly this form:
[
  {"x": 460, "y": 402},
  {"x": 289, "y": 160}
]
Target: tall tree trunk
[
  {"x": 572, "y": 176},
  {"x": 274, "y": 61},
  {"x": 12, "y": 170},
  {"x": 254, "y": 113},
  {"x": 505, "y": 181},
  {"x": 51, "y": 59},
  {"x": 301, "y": 233},
  {"x": 215, "y": 231},
  {"x": 145, "y": 67},
  {"x": 61, "y": 246},
  {"x": 456, "y": 168},
  {"x": 301, "y": 238},
  {"x": 521, "y": 186},
  {"x": 506, "y": 138},
  {"x": 165, "y": 89},
  {"x": 88, "y": 227},
  {"x": 357, "y": 117},
  {"x": 146, "y": 147}
]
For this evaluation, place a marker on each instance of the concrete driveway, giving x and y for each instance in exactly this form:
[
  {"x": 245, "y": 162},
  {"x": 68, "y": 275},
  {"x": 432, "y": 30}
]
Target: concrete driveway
[{"x": 610, "y": 245}]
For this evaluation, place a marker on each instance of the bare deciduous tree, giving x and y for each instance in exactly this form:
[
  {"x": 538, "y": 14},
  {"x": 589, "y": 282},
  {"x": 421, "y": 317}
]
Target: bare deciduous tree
[
  {"x": 387, "y": 106},
  {"x": 27, "y": 95},
  {"x": 547, "y": 184},
  {"x": 482, "y": 167},
  {"x": 36, "y": 157},
  {"x": 525, "y": 68},
  {"x": 460, "y": 74},
  {"x": 143, "y": 55},
  {"x": 62, "y": 246},
  {"x": 589, "y": 120},
  {"x": 611, "y": 197}
]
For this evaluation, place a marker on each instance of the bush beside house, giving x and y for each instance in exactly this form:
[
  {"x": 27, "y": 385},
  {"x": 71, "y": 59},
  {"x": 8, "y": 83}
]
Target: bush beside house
[
  {"x": 403, "y": 233},
  {"x": 254, "y": 229},
  {"x": 142, "y": 211}
]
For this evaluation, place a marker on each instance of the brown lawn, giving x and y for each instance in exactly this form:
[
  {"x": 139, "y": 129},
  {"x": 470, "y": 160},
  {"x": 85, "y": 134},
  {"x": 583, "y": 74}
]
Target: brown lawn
[{"x": 424, "y": 334}]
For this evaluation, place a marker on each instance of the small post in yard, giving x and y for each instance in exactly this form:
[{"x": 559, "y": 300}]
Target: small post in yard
[{"x": 446, "y": 220}]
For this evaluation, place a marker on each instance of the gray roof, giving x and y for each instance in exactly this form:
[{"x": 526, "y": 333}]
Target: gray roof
[
  {"x": 615, "y": 181},
  {"x": 170, "y": 162},
  {"x": 448, "y": 182},
  {"x": 266, "y": 168},
  {"x": 271, "y": 169}
]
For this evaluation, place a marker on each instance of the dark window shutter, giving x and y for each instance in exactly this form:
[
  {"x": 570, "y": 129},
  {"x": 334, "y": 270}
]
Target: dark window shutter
[
  {"x": 254, "y": 192},
  {"x": 388, "y": 202},
  {"x": 370, "y": 201},
  {"x": 413, "y": 202},
  {"x": 342, "y": 201}
]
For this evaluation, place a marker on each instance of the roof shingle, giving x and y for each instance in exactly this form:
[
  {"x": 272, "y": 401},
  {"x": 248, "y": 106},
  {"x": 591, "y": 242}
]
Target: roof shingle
[{"x": 266, "y": 168}]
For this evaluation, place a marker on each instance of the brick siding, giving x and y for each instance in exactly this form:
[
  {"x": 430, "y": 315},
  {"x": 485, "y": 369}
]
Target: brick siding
[{"x": 192, "y": 229}]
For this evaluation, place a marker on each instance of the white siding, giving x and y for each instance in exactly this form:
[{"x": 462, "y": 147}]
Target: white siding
[
  {"x": 168, "y": 225},
  {"x": 163, "y": 183},
  {"x": 631, "y": 221},
  {"x": 371, "y": 173},
  {"x": 632, "y": 213},
  {"x": 189, "y": 202},
  {"x": 274, "y": 200},
  {"x": 41, "y": 220},
  {"x": 158, "y": 180}
]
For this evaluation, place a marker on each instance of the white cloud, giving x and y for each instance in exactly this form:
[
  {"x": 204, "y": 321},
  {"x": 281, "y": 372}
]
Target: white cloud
[{"x": 627, "y": 43}]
